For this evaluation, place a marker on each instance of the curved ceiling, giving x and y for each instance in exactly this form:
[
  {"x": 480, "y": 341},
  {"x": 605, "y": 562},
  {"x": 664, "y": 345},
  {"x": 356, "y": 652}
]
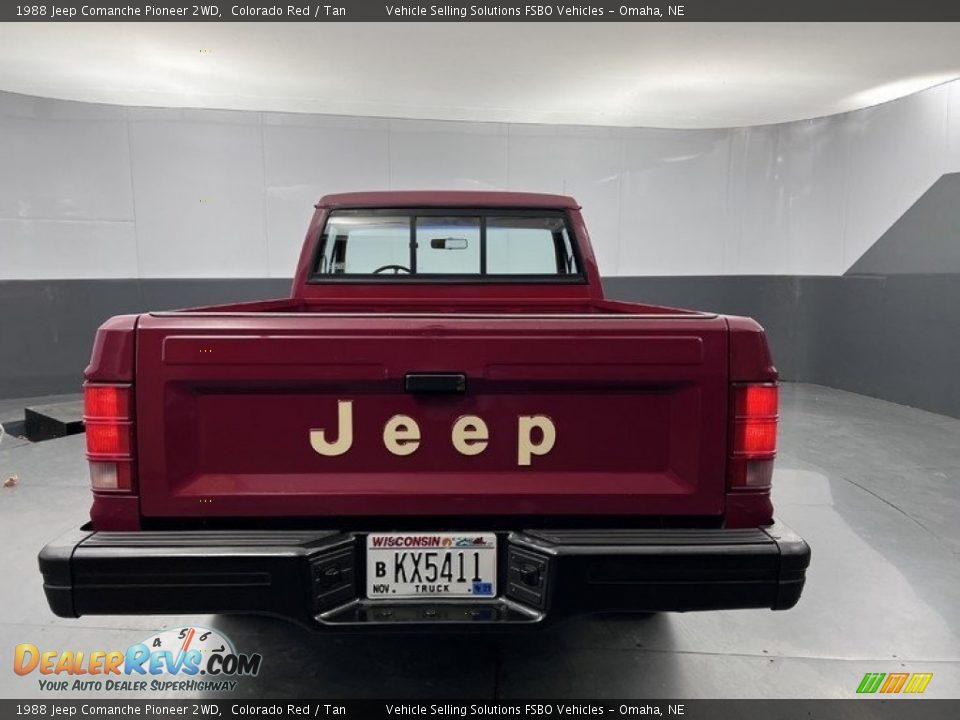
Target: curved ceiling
[{"x": 679, "y": 75}]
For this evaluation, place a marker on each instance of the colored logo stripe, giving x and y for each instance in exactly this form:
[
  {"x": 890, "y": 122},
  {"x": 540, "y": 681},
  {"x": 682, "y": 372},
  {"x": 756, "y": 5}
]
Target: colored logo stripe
[
  {"x": 894, "y": 682},
  {"x": 918, "y": 683},
  {"x": 870, "y": 682}
]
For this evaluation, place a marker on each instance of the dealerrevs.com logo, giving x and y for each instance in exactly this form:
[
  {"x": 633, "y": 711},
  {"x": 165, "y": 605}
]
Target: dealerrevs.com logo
[{"x": 186, "y": 659}]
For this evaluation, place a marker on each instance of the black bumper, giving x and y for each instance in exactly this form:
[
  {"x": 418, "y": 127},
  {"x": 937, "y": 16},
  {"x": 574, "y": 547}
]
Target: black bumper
[{"x": 317, "y": 577}]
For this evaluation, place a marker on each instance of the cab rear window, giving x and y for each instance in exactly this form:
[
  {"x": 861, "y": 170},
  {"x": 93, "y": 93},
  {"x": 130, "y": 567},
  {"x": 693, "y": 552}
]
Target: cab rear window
[{"x": 461, "y": 244}]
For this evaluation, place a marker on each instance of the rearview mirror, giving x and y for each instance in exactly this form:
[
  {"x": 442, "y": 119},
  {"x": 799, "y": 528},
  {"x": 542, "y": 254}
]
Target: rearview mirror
[{"x": 450, "y": 243}]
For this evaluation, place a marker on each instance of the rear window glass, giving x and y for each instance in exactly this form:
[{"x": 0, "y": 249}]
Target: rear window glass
[{"x": 407, "y": 245}]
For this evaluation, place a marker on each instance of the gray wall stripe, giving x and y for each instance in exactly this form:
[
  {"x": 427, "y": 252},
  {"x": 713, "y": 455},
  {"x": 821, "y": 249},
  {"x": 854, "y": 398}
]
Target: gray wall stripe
[
  {"x": 926, "y": 238},
  {"x": 893, "y": 337},
  {"x": 47, "y": 326}
]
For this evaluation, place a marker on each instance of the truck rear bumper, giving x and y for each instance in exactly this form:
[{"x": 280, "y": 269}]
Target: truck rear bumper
[{"x": 316, "y": 578}]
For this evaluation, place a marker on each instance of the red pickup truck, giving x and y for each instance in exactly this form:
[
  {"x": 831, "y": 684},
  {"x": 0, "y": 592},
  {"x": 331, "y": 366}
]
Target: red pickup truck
[{"x": 446, "y": 423}]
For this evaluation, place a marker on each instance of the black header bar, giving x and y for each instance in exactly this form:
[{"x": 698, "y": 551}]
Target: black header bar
[
  {"x": 199, "y": 707},
  {"x": 502, "y": 11},
  {"x": 580, "y": 709}
]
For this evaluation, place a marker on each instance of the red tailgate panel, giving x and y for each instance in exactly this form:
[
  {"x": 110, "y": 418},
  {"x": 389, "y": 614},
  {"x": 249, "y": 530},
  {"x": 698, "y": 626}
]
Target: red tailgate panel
[{"x": 225, "y": 406}]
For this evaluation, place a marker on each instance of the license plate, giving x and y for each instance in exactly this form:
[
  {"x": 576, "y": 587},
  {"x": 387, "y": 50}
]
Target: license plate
[{"x": 431, "y": 565}]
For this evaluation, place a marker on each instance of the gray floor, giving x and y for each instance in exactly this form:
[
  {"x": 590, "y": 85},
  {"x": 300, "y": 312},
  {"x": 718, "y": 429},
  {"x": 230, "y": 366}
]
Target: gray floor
[{"x": 874, "y": 487}]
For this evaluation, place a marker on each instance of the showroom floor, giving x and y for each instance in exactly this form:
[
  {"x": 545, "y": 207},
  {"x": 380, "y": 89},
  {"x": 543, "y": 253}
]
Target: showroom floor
[{"x": 874, "y": 488}]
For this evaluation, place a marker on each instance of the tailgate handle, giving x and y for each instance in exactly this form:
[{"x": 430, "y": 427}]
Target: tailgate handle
[{"x": 435, "y": 383}]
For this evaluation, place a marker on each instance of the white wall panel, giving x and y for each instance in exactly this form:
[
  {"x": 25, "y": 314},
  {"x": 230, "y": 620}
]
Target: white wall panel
[
  {"x": 752, "y": 150},
  {"x": 306, "y": 157},
  {"x": 953, "y": 129},
  {"x": 580, "y": 161},
  {"x": 63, "y": 160},
  {"x": 897, "y": 151},
  {"x": 228, "y": 194},
  {"x": 199, "y": 193},
  {"x": 812, "y": 165},
  {"x": 788, "y": 188},
  {"x": 431, "y": 155},
  {"x": 674, "y": 213},
  {"x": 66, "y": 249}
]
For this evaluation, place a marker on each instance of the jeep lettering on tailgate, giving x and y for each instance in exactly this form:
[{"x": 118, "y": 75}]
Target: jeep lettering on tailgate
[{"x": 469, "y": 435}]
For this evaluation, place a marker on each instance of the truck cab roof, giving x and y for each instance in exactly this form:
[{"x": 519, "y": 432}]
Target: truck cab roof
[{"x": 447, "y": 198}]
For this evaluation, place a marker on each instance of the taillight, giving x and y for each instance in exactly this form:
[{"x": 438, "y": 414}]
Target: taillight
[
  {"x": 754, "y": 418},
  {"x": 108, "y": 420}
]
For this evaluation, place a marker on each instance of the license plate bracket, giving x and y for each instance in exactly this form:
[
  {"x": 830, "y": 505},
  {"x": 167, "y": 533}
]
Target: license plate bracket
[{"x": 431, "y": 565}]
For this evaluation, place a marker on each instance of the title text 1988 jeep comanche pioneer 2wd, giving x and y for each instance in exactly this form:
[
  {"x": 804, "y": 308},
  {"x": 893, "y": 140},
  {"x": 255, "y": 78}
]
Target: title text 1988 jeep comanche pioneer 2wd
[{"x": 446, "y": 423}]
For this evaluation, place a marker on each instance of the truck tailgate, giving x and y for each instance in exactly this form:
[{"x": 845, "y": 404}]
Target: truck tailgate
[{"x": 225, "y": 406}]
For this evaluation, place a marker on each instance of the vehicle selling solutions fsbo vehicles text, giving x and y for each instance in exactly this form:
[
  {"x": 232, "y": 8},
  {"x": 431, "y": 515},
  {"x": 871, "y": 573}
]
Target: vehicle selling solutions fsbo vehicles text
[{"x": 534, "y": 11}]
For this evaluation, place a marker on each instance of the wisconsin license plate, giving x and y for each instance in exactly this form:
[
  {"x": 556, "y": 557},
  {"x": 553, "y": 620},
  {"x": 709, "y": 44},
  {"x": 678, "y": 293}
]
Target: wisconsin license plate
[{"x": 431, "y": 565}]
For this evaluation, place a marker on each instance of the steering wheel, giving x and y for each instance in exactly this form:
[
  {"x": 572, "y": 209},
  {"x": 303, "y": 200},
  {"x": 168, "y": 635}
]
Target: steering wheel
[{"x": 396, "y": 269}]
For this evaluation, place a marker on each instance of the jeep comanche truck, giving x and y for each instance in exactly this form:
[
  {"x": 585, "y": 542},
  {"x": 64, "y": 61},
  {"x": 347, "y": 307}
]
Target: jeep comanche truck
[{"x": 445, "y": 424}]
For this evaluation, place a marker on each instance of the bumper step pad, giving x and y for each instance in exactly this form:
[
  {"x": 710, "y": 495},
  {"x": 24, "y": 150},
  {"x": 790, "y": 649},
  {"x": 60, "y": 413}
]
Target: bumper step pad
[{"x": 650, "y": 570}]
